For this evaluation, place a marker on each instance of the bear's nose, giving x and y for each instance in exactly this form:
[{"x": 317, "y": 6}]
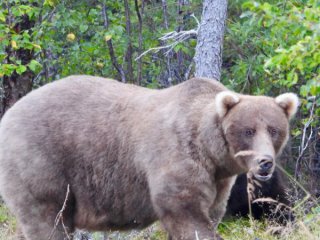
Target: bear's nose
[{"x": 266, "y": 163}]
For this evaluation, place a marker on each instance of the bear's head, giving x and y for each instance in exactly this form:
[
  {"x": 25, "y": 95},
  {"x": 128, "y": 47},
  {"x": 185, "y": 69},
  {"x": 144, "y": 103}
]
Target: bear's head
[{"x": 256, "y": 128}]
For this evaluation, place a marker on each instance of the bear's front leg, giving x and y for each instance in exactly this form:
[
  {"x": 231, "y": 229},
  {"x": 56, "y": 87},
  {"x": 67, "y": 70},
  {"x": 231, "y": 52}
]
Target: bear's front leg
[
  {"x": 218, "y": 209},
  {"x": 182, "y": 204}
]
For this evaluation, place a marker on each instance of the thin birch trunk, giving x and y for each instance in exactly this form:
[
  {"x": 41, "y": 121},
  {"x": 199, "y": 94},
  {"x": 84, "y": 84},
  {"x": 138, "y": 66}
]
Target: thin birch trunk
[
  {"x": 140, "y": 42},
  {"x": 128, "y": 56},
  {"x": 208, "y": 56},
  {"x": 168, "y": 56},
  {"x": 165, "y": 14}
]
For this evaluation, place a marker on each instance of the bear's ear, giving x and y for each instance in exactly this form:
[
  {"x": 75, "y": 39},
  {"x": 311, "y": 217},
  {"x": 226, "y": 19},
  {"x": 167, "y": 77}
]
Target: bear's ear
[
  {"x": 225, "y": 101},
  {"x": 289, "y": 102}
]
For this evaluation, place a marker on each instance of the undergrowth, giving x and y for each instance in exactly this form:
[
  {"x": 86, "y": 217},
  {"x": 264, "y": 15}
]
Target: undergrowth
[
  {"x": 305, "y": 227},
  {"x": 7, "y": 223}
]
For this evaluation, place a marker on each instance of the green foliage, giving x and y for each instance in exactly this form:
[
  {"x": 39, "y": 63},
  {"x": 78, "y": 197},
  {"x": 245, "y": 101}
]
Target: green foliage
[
  {"x": 71, "y": 37},
  {"x": 277, "y": 44},
  {"x": 13, "y": 38},
  {"x": 270, "y": 46}
]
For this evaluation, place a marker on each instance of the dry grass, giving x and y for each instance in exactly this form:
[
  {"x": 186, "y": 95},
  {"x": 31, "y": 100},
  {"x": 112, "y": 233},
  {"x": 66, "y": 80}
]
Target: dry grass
[{"x": 307, "y": 227}]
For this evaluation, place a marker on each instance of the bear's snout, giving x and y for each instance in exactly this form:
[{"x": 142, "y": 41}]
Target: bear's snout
[
  {"x": 266, "y": 163},
  {"x": 265, "y": 168}
]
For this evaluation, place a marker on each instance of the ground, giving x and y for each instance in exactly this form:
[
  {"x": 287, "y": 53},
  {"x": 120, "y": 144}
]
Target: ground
[{"x": 307, "y": 227}]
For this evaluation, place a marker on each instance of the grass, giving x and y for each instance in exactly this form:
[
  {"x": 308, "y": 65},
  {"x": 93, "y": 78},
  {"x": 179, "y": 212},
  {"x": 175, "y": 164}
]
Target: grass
[
  {"x": 7, "y": 223},
  {"x": 244, "y": 229}
]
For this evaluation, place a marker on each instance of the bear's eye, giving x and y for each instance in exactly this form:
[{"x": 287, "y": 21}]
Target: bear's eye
[
  {"x": 249, "y": 132},
  {"x": 272, "y": 131}
]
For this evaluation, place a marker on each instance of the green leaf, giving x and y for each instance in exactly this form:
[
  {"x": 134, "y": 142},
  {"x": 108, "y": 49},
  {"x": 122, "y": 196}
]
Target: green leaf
[
  {"x": 21, "y": 69},
  {"x": 34, "y": 65},
  {"x": 7, "y": 69},
  {"x": 246, "y": 14},
  {"x": 304, "y": 90},
  {"x": 50, "y": 3},
  {"x": 315, "y": 90},
  {"x": 250, "y": 5},
  {"x": 83, "y": 28},
  {"x": 2, "y": 17}
]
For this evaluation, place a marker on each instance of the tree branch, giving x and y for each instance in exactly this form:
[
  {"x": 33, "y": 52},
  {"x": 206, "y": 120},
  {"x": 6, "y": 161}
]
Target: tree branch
[
  {"x": 59, "y": 217},
  {"x": 114, "y": 61},
  {"x": 305, "y": 140},
  {"x": 175, "y": 38}
]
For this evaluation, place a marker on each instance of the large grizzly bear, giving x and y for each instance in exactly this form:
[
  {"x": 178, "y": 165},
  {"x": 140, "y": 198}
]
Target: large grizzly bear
[{"x": 131, "y": 155}]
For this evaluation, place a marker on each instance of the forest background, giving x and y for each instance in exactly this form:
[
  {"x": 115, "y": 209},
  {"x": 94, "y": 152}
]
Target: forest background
[{"x": 269, "y": 47}]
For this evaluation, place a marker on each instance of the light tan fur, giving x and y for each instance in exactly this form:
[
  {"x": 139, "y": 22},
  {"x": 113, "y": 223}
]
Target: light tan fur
[
  {"x": 132, "y": 155},
  {"x": 289, "y": 102},
  {"x": 224, "y": 101}
]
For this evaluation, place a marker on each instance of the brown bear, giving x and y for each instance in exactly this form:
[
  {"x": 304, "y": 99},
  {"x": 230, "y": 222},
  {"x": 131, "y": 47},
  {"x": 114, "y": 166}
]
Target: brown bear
[{"x": 130, "y": 156}]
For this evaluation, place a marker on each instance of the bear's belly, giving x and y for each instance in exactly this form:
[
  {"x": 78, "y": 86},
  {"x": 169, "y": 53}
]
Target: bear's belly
[
  {"x": 120, "y": 205},
  {"x": 115, "y": 218}
]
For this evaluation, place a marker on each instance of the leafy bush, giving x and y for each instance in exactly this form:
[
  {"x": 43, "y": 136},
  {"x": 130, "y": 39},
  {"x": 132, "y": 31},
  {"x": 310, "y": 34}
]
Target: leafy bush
[{"x": 277, "y": 46}]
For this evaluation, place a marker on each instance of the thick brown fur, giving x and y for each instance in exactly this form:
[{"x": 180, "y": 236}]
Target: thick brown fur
[{"x": 132, "y": 155}]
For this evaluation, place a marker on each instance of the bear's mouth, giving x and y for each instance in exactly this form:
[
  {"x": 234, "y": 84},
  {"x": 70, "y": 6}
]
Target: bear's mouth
[{"x": 263, "y": 176}]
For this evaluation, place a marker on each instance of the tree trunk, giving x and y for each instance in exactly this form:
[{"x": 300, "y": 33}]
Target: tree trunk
[
  {"x": 208, "y": 56},
  {"x": 16, "y": 86},
  {"x": 169, "y": 75},
  {"x": 128, "y": 56},
  {"x": 181, "y": 13},
  {"x": 165, "y": 14},
  {"x": 140, "y": 42}
]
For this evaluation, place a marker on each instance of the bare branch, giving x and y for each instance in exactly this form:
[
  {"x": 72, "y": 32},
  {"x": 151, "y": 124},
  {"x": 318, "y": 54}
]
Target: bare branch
[
  {"x": 305, "y": 141},
  {"x": 59, "y": 217},
  {"x": 174, "y": 38},
  {"x": 187, "y": 73},
  {"x": 197, "y": 237},
  {"x": 114, "y": 61}
]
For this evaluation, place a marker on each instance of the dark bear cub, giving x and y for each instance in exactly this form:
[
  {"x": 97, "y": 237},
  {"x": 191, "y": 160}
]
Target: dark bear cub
[{"x": 278, "y": 210}]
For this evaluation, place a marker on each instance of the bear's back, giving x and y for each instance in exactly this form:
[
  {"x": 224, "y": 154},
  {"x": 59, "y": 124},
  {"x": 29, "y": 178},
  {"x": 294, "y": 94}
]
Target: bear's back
[{"x": 68, "y": 132}]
